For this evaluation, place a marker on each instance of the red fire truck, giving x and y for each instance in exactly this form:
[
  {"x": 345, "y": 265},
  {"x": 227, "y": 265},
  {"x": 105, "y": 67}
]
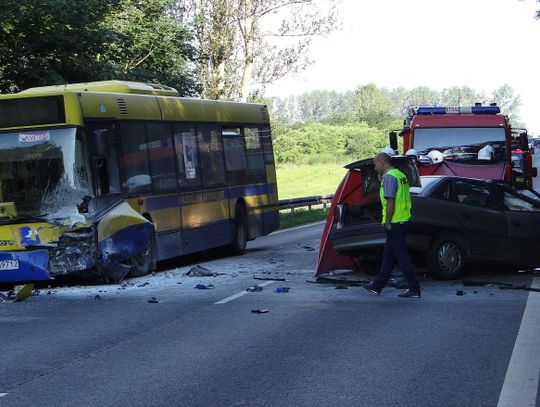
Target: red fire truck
[{"x": 472, "y": 141}]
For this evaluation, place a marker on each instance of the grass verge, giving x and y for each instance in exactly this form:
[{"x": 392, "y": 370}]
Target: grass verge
[
  {"x": 295, "y": 181},
  {"x": 301, "y": 216}
]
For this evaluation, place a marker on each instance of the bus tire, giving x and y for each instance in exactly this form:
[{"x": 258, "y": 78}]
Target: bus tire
[
  {"x": 238, "y": 245},
  {"x": 143, "y": 262},
  {"x": 446, "y": 258}
]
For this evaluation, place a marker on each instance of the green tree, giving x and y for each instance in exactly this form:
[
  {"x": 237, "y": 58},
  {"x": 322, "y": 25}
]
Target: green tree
[
  {"x": 246, "y": 44},
  {"x": 51, "y": 42},
  {"x": 507, "y": 101},
  {"x": 374, "y": 106}
]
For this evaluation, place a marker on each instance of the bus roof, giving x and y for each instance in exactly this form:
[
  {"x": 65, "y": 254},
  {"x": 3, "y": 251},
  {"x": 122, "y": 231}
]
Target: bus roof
[{"x": 109, "y": 86}]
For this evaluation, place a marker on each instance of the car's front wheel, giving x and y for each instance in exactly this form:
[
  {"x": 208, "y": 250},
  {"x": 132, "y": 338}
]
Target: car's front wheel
[{"x": 446, "y": 258}]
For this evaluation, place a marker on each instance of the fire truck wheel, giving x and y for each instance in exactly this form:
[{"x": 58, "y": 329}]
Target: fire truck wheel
[{"x": 446, "y": 258}]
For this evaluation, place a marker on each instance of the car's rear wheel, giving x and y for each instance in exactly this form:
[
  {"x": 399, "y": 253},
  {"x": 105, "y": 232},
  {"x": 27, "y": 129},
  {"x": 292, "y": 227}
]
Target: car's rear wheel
[{"x": 446, "y": 258}]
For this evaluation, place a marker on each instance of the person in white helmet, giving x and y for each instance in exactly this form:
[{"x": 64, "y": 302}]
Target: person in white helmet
[
  {"x": 436, "y": 156},
  {"x": 388, "y": 150},
  {"x": 486, "y": 152}
]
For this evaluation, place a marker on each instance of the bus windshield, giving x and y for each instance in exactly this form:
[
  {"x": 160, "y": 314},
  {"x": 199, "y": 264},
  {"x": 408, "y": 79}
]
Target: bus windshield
[
  {"x": 462, "y": 143},
  {"x": 42, "y": 173}
]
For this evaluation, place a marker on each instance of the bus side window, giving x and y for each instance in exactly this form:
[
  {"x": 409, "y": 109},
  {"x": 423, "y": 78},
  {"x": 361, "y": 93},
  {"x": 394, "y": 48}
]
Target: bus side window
[
  {"x": 106, "y": 158},
  {"x": 266, "y": 138},
  {"x": 134, "y": 159},
  {"x": 187, "y": 157},
  {"x": 234, "y": 148},
  {"x": 254, "y": 153},
  {"x": 161, "y": 154},
  {"x": 211, "y": 153}
]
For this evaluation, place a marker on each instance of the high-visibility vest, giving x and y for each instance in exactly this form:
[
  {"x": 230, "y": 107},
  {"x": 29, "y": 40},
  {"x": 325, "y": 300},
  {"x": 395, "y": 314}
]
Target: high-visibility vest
[{"x": 402, "y": 207}]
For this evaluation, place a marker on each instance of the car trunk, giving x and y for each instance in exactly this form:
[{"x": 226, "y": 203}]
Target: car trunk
[{"x": 357, "y": 224}]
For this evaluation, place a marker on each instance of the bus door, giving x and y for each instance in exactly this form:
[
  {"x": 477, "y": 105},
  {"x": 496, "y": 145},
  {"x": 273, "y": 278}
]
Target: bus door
[{"x": 104, "y": 163}]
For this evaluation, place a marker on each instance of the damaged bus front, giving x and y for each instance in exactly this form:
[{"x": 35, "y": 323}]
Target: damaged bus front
[{"x": 50, "y": 222}]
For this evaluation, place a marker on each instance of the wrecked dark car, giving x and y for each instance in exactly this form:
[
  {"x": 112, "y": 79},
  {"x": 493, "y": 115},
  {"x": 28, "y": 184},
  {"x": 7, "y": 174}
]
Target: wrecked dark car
[{"x": 455, "y": 221}]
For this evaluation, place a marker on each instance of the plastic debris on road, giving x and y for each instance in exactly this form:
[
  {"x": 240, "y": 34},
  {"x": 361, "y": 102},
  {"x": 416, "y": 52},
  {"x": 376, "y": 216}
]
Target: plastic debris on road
[
  {"x": 200, "y": 271},
  {"x": 204, "y": 287},
  {"x": 254, "y": 288},
  {"x": 282, "y": 289},
  {"x": 153, "y": 300},
  {"x": 259, "y": 311}
]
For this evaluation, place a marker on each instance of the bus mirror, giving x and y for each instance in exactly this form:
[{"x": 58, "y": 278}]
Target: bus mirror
[
  {"x": 101, "y": 139},
  {"x": 534, "y": 172},
  {"x": 523, "y": 141},
  {"x": 393, "y": 140}
]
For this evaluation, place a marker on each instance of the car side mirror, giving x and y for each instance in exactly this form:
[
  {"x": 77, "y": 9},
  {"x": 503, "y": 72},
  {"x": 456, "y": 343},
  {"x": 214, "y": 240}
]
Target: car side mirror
[{"x": 393, "y": 140}]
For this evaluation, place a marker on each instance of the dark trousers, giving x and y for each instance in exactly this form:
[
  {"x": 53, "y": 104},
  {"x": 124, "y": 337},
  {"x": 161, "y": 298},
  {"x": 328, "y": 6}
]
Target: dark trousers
[{"x": 396, "y": 253}]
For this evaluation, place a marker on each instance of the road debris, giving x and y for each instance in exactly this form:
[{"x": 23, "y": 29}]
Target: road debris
[
  {"x": 259, "y": 311},
  {"x": 153, "y": 300},
  {"x": 282, "y": 289},
  {"x": 254, "y": 288},
  {"x": 200, "y": 271},
  {"x": 97, "y": 297},
  {"x": 24, "y": 292},
  {"x": 270, "y": 278},
  {"x": 340, "y": 281},
  {"x": 144, "y": 284},
  {"x": 501, "y": 285},
  {"x": 204, "y": 287},
  {"x": 460, "y": 293}
]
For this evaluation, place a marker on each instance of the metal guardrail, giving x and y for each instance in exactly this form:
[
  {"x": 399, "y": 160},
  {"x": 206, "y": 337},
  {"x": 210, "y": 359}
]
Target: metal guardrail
[{"x": 304, "y": 202}]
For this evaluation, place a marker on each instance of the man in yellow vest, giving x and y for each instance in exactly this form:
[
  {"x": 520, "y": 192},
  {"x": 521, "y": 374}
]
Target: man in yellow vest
[{"x": 396, "y": 213}]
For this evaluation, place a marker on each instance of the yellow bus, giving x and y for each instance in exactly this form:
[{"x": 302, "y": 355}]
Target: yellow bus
[{"x": 107, "y": 178}]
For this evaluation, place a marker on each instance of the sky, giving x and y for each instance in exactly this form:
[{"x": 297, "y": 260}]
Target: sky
[{"x": 477, "y": 43}]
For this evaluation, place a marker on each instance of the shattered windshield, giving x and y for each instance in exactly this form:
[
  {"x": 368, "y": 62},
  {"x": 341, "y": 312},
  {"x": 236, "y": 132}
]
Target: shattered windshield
[
  {"x": 462, "y": 143},
  {"x": 42, "y": 173}
]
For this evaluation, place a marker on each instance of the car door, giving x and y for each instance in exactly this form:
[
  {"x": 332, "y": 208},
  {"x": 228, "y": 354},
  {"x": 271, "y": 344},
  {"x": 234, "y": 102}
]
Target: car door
[
  {"x": 481, "y": 217},
  {"x": 522, "y": 209}
]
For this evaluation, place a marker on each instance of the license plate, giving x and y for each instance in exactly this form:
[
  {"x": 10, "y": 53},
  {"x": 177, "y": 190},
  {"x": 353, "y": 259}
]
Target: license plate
[{"x": 9, "y": 264}]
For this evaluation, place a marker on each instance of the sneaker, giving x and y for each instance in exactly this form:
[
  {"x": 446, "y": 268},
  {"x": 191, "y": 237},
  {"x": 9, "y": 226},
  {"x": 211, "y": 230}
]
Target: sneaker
[
  {"x": 410, "y": 294},
  {"x": 369, "y": 287}
]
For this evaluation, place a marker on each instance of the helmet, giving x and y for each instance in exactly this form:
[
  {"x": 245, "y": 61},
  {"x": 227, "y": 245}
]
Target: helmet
[
  {"x": 412, "y": 152},
  {"x": 436, "y": 156},
  {"x": 486, "y": 152},
  {"x": 388, "y": 150}
]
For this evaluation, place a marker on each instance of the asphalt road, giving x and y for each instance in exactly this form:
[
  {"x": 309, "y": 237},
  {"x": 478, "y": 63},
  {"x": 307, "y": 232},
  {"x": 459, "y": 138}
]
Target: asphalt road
[{"x": 316, "y": 346}]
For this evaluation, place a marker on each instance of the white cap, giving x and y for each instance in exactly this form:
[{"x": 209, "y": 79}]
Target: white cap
[
  {"x": 436, "y": 156},
  {"x": 412, "y": 152},
  {"x": 388, "y": 150}
]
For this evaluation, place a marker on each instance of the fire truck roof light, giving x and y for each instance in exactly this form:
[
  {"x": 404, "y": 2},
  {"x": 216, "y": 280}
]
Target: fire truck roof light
[{"x": 429, "y": 110}]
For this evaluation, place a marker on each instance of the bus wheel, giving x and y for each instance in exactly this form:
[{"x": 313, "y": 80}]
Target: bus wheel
[
  {"x": 143, "y": 262},
  {"x": 446, "y": 258},
  {"x": 238, "y": 246}
]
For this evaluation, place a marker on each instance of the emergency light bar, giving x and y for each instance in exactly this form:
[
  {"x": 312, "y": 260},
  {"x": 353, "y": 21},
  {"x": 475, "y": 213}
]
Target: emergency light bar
[{"x": 458, "y": 110}]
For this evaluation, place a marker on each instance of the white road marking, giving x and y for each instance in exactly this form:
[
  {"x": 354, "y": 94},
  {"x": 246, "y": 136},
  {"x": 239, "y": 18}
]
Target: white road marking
[
  {"x": 235, "y": 296},
  {"x": 296, "y": 228},
  {"x": 521, "y": 382},
  {"x": 3, "y": 394}
]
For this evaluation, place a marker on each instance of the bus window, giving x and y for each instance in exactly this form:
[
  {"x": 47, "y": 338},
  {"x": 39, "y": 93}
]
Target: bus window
[
  {"x": 266, "y": 138},
  {"x": 254, "y": 153},
  {"x": 235, "y": 156},
  {"x": 134, "y": 159},
  {"x": 161, "y": 153},
  {"x": 186, "y": 156},
  {"x": 211, "y": 153},
  {"x": 106, "y": 161}
]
